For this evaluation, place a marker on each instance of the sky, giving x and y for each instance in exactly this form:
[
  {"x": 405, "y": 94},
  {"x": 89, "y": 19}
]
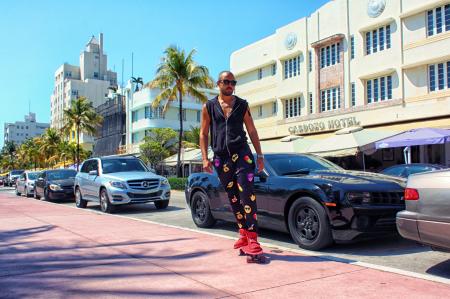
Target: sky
[{"x": 36, "y": 37}]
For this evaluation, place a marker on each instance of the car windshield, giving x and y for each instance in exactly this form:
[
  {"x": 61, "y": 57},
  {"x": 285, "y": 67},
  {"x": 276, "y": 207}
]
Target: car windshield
[
  {"x": 32, "y": 175},
  {"x": 284, "y": 164},
  {"x": 16, "y": 172},
  {"x": 61, "y": 175},
  {"x": 121, "y": 165}
]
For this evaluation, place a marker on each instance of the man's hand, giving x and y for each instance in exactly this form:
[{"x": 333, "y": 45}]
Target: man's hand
[
  {"x": 207, "y": 166},
  {"x": 260, "y": 164}
]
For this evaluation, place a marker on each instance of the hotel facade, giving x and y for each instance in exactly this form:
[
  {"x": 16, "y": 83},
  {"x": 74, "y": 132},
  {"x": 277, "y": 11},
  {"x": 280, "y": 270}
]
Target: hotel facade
[{"x": 378, "y": 64}]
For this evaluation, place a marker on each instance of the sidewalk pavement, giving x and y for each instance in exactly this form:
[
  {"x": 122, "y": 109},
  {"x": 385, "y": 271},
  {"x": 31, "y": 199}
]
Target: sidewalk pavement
[{"x": 53, "y": 251}]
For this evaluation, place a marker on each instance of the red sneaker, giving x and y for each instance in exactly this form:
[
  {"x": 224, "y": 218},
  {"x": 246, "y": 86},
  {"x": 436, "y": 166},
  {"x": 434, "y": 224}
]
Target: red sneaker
[{"x": 253, "y": 247}]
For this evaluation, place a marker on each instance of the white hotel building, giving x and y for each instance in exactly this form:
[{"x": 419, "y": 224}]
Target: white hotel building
[{"x": 382, "y": 64}]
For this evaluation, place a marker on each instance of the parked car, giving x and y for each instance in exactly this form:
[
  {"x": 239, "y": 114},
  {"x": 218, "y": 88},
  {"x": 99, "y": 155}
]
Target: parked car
[
  {"x": 314, "y": 200},
  {"x": 404, "y": 170},
  {"x": 12, "y": 176},
  {"x": 55, "y": 184},
  {"x": 25, "y": 183},
  {"x": 119, "y": 180},
  {"x": 427, "y": 215}
]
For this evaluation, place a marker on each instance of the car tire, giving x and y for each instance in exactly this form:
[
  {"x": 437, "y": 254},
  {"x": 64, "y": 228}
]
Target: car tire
[
  {"x": 309, "y": 225},
  {"x": 79, "y": 201},
  {"x": 35, "y": 195},
  {"x": 161, "y": 204},
  {"x": 45, "y": 197},
  {"x": 105, "y": 205},
  {"x": 200, "y": 210}
]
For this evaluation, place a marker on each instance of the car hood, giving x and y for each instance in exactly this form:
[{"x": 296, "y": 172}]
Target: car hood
[
  {"x": 66, "y": 182},
  {"x": 132, "y": 175},
  {"x": 349, "y": 177}
]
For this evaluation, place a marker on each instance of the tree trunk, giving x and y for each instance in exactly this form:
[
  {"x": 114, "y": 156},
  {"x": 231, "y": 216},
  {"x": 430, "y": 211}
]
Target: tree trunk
[
  {"x": 180, "y": 135},
  {"x": 78, "y": 147}
]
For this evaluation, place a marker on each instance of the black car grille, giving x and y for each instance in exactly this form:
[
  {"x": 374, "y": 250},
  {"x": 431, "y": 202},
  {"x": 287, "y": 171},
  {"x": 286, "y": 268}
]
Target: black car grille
[
  {"x": 67, "y": 188},
  {"x": 376, "y": 198},
  {"x": 137, "y": 197},
  {"x": 144, "y": 184}
]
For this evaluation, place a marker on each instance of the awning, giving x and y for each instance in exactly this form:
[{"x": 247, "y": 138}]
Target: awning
[
  {"x": 421, "y": 136},
  {"x": 349, "y": 141},
  {"x": 188, "y": 155},
  {"x": 288, "y": 144}
]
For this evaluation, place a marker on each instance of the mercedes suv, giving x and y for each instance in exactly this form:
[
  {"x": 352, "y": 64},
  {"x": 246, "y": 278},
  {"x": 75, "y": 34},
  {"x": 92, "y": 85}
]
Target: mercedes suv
[{"x": 118, "y": 180}]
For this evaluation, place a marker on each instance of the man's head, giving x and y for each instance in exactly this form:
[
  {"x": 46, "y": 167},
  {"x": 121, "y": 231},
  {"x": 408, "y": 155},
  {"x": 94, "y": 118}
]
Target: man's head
[{"x": 226, "y": 83}]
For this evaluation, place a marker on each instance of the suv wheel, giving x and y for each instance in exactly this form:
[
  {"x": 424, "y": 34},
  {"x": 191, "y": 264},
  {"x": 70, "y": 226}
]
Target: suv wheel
[
  {"x": 79, "y": 201},
  {"x": 161, "y": 204},
  {"x": 309, "y": 225},
  {"x": 105, "y": 205},
  {"x": 201, "y": 213}
]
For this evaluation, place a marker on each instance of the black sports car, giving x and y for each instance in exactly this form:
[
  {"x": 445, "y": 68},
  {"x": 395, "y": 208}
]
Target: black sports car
[{"x": 314, "y": 200}]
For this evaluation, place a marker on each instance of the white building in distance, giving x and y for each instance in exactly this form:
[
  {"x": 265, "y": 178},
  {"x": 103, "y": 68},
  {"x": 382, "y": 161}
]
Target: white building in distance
[
  {"x": 20, "y": 131},
  {"x": 91, "y": 80},
  {"x": 382, "y": 64}
]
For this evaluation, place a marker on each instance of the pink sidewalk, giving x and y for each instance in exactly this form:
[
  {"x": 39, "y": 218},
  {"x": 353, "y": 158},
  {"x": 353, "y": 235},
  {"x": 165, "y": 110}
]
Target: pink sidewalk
[{"x": 51, "y": 251}]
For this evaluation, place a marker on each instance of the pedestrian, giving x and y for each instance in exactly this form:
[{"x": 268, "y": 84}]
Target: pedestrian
[{"x": 225, "y": 116}]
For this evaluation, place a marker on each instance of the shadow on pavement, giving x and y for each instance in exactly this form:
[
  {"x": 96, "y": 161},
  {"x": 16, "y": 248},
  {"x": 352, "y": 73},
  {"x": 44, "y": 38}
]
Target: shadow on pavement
[
  {"x": 136, "y": 209},
  {"x": 441, "y": 269}
]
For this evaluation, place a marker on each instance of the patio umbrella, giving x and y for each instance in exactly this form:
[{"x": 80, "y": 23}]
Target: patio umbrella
[
  {"x": 347, "y": 142},
  {"x": 421, "y": 136}
]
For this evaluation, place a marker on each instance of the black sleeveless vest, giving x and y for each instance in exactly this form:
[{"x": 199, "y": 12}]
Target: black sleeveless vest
[{"x": 227, "y": 135}]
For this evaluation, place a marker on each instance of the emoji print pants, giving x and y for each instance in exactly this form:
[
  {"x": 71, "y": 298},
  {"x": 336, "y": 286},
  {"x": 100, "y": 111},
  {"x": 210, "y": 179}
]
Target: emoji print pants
[{"x": 236, "y": 174}]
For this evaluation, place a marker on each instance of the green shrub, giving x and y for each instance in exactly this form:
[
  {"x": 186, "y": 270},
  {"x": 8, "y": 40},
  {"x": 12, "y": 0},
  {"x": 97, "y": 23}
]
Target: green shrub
[{"x": 177, "y": 183}]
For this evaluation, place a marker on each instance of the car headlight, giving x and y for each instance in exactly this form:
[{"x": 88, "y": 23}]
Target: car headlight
[
  {"x": 359, "y": 197},
  {"x": 55, "y": 187},
  {"x": 164, "y": 182},
  {"x": 118, "y": 184}
]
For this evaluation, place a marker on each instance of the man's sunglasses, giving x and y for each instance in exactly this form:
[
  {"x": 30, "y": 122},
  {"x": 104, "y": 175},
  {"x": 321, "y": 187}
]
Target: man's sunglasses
[{"x": 229, "y": 82}]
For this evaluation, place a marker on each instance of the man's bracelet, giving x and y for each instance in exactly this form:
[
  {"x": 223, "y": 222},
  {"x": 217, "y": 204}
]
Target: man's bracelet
[{"x": 260, "y": 156}]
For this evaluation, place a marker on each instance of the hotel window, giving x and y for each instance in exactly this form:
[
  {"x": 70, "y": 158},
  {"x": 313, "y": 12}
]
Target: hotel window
[
  {"x": 438, "y": 20},
  {"x": 134, "y": 138},
  {"x": 353, "y": 95},
  {"x": 439, "y": 76},
  {"x": 292, "y": 67},
  {"x": 259, "y": 74},
  {"x": 148, "y": 112},
  {"x": 183, "y": 113},
  {"x": 274, "y": 69},
  {"x": 134, "y": 116},
  {"x": 292, "y": 107},
  {"x": 274, "y": 108},
  {"x": 198, "y": 116},
  {"x": 379, "y": 89},
  {"x": 310, "y": 61},
  {"x": 259, "y": 110},
  {"x": 158, "y": 112},
  {"x": 311, "y": 103},
  {"x": 329, "y": 55},
  {"x": 330, "y": 99},
  {"x": 95, "y": 75},
  {"x": 352, "y": 47},
  {"x": 378, "y": 39}
]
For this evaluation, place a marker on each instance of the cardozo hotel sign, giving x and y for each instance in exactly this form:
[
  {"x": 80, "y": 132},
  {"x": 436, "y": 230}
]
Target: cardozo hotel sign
[{"x": 319, "y": 126}]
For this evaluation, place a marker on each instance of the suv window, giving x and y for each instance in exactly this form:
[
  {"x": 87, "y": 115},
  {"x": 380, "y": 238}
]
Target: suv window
[{"x": 85, "y": 166}]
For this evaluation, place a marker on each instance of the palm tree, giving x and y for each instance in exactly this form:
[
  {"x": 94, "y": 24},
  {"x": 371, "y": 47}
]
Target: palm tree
[
  {"x": 137, "y": 81},
  {"x": 9, "y": 153},
  {"x": 50, "y": 144},
  {"x": 32, "y": 149},
  {"x": 192, "y": 138},
  {"x": 177, "y": 75},
  {"x": 81, "y": 117}
]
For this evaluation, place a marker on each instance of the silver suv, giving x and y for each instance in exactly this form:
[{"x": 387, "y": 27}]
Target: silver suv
[{"x": 119, "y": 180}]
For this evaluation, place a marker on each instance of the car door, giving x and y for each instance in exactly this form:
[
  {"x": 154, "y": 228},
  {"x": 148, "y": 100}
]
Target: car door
[
  {"x": 39, "y": 184},
  {"x": 82, "y": 178},
  {"x": 91, "y": 186},
  {"x": 21, "y": 181}
]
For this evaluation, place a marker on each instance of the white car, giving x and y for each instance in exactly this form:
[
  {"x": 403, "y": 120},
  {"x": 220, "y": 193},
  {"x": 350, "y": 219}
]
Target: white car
[
  {"x": 25, "y": 183},
  {"x": 119, "y": 180}
]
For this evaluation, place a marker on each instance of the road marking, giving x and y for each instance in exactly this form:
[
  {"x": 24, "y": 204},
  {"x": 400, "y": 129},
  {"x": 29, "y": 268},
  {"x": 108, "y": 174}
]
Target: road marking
[{"x": 279, "y": 247}]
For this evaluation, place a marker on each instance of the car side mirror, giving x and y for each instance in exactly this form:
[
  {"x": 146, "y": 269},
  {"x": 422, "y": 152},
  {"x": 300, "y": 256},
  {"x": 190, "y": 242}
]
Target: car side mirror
[{"x": 93, "y": 172}]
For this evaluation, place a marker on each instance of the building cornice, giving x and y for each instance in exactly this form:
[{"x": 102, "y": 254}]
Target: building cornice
[
  {"x": 328, "y": 40},
  {"x": 376, "y": 24}
]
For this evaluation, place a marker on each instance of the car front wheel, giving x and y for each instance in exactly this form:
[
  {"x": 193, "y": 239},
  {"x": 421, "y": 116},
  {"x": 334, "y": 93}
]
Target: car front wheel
[
  {"x": 161, "y": 204},
  {"x": 201, "y": 213},
  {"x": 79, "y": 201},
  {"x": 105, "y": 205},
  {"x": 309, "y": 225}
]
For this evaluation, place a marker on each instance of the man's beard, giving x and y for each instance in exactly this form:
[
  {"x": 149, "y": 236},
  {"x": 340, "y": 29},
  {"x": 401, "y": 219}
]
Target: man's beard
[{"x": 227, "y": 92}]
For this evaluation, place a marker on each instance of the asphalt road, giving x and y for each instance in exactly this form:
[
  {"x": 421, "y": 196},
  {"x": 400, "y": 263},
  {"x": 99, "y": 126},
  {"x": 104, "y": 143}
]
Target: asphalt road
[{"x": 394, "y": 252}]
